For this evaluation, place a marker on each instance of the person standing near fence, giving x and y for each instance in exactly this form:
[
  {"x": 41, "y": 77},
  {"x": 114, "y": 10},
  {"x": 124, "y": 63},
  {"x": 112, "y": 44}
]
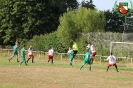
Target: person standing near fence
[
  {"x": 23, "y": 55},
  {"x": 71, "y": 55},
  {"x": 92, "y": 48},
  {"x": 112, "y": 62},
  {"x": 75, "y": 48},
  {"x": 50, "y": 55},
  {"x": 30, "y": 54},
  {"x": 87, "y": 58},
  {"x": 15, "y": 52}
]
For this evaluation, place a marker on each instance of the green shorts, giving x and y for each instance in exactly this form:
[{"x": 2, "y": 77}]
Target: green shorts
[
  {"x": 15, "y": 53},
  {"x": 71, "y": 58},
  {"x": 87, "y": 61}
]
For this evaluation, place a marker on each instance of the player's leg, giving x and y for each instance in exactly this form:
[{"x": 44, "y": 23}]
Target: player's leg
[
  {"x": 25, "y": 61},
  {"x": 92, "y": 57},
  {"x": 108, "y": 67},
  {"x": 32, "y": 59},
  {"x": 116, "y": 67},
  {"x": 82, "y": 66},
  {"x": 28, "y": 58},
  {"x": 89, "y": 67},
  {"x": 17, "y": 57},
  {"x": 52, "y": 61},
  {"x": 71, "y": 62},
  {"x": 49, "y": 58},
  {"x": 11, "y": 57}
]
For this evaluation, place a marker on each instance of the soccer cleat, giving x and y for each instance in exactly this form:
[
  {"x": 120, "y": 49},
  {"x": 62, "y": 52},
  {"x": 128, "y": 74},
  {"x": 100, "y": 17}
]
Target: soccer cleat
[
  {"x": 8, "y": 60},
  {"x": 17, "y": 61}
]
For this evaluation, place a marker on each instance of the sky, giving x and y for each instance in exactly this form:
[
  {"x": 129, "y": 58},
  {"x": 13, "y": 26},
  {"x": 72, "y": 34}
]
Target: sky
[{"x": 107, "y": 4}]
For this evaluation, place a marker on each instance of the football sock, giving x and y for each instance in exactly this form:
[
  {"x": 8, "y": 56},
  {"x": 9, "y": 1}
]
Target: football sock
[
  {"x": 10, "y": 58},
  {"x": 107, "y": 68},
  {"x": 116, "y": 68},
  {"x": 21, "y": 62},
  {"x": 32, "y": 60},
  {"x": 28, "y": 60},
  {"x": 90, "y": 68},
  {"x": 25, "y": 63},
  {"x": 81, "y": 67}
]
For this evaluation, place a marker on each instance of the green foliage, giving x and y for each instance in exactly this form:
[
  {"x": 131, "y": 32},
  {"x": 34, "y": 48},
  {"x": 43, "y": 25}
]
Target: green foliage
[
  {"x": 82, "y": 20},
  {"x": 88, "y": 4},
  {"x": 114, "y": 23},
  {"x": 22, "y": 19},
  {"x": 45, "y": 42}
]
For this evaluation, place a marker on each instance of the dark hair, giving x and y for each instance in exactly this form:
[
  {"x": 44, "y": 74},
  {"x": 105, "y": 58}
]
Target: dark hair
[
  {"x": 111, "y": 53},
  {"x": 90, "y": 43}
]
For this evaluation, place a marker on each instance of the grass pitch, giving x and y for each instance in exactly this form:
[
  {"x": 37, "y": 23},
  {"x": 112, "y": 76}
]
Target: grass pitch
[{"x": 59, "y": 75}]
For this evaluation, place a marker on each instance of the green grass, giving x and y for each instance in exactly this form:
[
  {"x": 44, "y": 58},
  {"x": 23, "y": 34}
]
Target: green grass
[{"x": 59, "y": 75}]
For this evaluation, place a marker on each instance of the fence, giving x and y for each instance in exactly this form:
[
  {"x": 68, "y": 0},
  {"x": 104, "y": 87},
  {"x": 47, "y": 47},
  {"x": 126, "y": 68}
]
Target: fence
[{"x": 124, "y": 61}]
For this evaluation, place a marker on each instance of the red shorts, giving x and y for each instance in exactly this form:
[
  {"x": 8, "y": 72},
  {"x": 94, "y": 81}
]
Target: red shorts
[
  {"x": 93, "y": 54},
  {"x": 50, "y": 57},
  {"x": 112, "y": 64},
  {"x": 31, "y": 56}
]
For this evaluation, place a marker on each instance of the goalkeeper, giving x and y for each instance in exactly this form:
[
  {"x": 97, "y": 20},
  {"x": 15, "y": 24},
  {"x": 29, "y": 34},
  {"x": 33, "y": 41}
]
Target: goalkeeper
[{"x": 87, "y": 58}]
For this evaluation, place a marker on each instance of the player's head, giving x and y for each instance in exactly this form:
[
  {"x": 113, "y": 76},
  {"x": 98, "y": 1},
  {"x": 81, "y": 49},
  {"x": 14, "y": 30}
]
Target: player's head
[
  {"x": 24, "y": 46},
  {"x": 69, "y": 48},
  {"x": 52, "y": 48},
  {"x": 16, "y": 42},
  {"x": 30, "y": 45},
  {"x": 89, "y": 43},
  {"x": 111, "y": 53}
]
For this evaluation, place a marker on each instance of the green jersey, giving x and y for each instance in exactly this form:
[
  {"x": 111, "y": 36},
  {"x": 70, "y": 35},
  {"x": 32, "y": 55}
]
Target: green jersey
[
  {"x": 15, "y": 49},
  {"x": 87, "y": 57},
  {"x": 23, "y": 53},
  {"x": 70, "y": 52}
]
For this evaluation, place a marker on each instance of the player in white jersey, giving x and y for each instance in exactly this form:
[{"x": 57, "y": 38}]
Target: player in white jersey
[
  {"x": 30, "y": 54},
  {"x": 112, "y": 62},
  {"x": 93, "y": 51},
  {"x": 50, "y": 55}
]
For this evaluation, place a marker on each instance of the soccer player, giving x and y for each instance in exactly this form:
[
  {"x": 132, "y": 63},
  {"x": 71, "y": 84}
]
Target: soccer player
[
  {"x": 75, "y": 48},
  {"x": 71, "y": 55},
  {"x": 23, "y": 55},
  {"x": 112, "y": 62},
  {"x": 92, "y": 48},
  {"x": 30, "y": 54},
  {"x": 50, "y": 55},
  {"x": 15, "y": 51},
  {"x": 87, "y": 58}
]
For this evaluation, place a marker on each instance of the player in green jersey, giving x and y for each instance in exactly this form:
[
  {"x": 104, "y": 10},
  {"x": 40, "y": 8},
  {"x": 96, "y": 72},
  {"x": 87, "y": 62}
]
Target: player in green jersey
[
  {"x": 87, "y": 58},
  {"x": 23, "y": 55},
  {"x": 71, "y": 55},
  {"x": 15, "y": 51}
]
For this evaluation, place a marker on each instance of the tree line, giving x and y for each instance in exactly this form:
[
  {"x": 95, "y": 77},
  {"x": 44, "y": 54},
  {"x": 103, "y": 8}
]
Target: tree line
[{"x": 26, "y": 19}]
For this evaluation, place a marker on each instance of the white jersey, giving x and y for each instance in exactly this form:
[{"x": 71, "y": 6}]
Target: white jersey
[
  {"x": 92, "y": 48},
  {"x": 51, "y": 52},
  {"x": 30, "y": 51},
  {"x": 112, "y": 59}
]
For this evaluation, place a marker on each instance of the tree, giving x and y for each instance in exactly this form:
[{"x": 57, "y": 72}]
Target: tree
[
  {"x": 114, "y": 22},
  {"x": 73, "y": 23},
  {"x": 88, "y": 4},
  {"x": 22, "y": 19}
]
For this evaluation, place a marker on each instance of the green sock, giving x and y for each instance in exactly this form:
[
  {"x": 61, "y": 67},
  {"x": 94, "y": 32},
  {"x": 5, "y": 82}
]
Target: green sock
[
  {"x": 70, "y": 63},
  {"x": 21, "y": 62},
  {"x": 25, "y": 63},
  {"x": 10, "y": 58},
  {"x": 81, "y": 67},
  {"x": 90, "y": 68}
]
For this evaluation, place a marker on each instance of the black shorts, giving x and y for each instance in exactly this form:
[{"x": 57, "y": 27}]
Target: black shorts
[{"x": 75, "y": 51}]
